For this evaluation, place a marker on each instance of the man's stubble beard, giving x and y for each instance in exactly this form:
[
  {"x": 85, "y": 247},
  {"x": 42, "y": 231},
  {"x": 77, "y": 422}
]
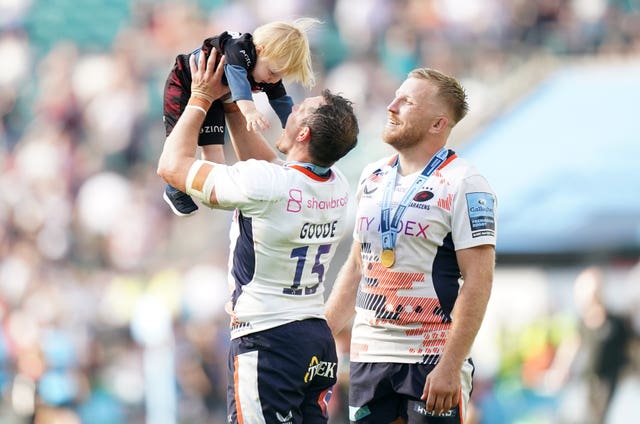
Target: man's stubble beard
[{"x": 401, "y": 139}]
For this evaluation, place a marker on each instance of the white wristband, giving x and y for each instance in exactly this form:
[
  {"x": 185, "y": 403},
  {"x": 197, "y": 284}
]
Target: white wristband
[{"x": 201, "y": 109}]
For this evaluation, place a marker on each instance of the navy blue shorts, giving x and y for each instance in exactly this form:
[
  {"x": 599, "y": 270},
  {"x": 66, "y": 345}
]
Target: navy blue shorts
[
  {"x": 382, "y": 392},
  {"x": 283, "y": 375}
]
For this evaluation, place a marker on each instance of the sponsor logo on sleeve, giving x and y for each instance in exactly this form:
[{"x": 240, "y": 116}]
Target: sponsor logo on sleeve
[{"x": 480, "y": 206}]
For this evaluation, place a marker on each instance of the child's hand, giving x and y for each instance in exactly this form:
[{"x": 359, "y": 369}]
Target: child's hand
[{"x": 256, "y": 121}]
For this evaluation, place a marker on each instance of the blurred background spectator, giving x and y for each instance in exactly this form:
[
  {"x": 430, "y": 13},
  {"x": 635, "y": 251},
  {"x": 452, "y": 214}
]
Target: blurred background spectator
[{"x": 110, "y": 314}]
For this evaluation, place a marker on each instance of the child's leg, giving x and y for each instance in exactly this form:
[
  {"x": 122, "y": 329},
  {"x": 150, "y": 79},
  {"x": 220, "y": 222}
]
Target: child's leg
[{"x": 177, "y": 91}]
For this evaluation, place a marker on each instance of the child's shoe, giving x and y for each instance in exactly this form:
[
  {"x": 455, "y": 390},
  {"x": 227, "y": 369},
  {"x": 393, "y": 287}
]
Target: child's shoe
[{"x": 181, "y": 203}]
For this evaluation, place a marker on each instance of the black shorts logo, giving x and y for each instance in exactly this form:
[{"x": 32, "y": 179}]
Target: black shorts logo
[{"x": 319, "y": 368}]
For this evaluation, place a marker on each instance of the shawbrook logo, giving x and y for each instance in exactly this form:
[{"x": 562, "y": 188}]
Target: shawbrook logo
[
  {"x": 288, "y": 419},
  {"x": 320, "y": 368}
]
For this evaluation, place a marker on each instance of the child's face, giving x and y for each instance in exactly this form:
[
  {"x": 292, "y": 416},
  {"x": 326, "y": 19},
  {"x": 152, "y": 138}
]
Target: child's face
[{"x": 264, "y": 71}]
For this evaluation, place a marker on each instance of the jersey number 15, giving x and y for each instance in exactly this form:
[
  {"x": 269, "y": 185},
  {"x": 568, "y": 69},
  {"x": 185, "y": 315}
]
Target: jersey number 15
[{"x": 318, "y": 268}]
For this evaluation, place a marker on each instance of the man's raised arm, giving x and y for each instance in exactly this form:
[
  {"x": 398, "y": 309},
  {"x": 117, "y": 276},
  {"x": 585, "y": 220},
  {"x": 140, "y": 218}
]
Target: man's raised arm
[
  {"x": 178, "y": 153},
  {"x": 247, "y": 144}
]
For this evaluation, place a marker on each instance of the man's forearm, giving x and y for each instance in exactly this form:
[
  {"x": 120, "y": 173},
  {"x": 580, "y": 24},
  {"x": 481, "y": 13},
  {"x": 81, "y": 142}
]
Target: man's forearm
[
  {"x": 471, "y": 304},
  {"x": 246, "y": 144},
  {"x": 467, "y": 318},
  {"x": 341, "y": 304},
  {"x": 179, "y": 150},
  {"x": 178, "y": 153}
]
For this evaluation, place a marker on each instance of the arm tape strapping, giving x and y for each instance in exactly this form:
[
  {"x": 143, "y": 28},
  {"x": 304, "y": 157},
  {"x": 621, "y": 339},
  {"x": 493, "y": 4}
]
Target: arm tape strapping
[{"x": 200, "y": 182}]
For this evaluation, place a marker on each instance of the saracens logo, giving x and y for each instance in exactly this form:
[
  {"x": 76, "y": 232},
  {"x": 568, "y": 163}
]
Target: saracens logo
[{"x": 422, "y": 196}]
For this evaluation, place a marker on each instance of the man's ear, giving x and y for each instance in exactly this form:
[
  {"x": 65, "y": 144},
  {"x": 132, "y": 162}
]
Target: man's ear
[
  {"x": 303, "y": 134},
  {"x": 439, "y": 124}
]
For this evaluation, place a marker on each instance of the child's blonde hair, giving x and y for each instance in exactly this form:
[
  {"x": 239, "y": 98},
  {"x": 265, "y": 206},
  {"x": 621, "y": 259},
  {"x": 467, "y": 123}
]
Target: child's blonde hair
[{"x": 287, "y": 45}]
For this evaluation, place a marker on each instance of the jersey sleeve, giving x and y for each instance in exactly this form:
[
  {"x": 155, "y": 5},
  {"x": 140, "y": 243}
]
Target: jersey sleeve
[
  {"x": 273, "y": 91},
  {"x": 247, "y": 185},
  {"x": 238, "y": 83},
  {"x": 282, "y": 106},
  {"x": 240, "y": 55},
  {"x": 474, "y": 213}
]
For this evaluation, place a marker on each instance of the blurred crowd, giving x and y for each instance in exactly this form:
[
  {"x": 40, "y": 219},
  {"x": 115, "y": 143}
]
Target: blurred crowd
[{"x": 111, "y": 307}]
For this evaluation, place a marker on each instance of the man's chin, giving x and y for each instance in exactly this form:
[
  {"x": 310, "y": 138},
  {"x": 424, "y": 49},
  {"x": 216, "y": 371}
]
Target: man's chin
[
  {"x": 386, "y": 135},
  {"x": 389, "y": 137}
]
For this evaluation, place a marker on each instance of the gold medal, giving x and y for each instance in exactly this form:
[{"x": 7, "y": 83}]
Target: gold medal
[{"x": 387, "y": 258}]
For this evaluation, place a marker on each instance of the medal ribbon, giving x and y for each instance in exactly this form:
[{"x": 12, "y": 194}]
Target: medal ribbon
[{"x": 389, "y": 229}]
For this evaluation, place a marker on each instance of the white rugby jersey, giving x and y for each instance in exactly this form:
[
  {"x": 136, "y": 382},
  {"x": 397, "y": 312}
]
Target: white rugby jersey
[
  {"x": 287, "y": 226},
  {"x": 403, "y": 313}
]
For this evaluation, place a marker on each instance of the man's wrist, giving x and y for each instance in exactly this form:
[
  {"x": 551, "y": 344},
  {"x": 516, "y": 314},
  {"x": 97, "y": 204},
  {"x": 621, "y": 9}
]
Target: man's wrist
[
  {"x": 230, "y": 107},
  {"x": 196, "y": 100},
  {"x": 197, "y": 93}
]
